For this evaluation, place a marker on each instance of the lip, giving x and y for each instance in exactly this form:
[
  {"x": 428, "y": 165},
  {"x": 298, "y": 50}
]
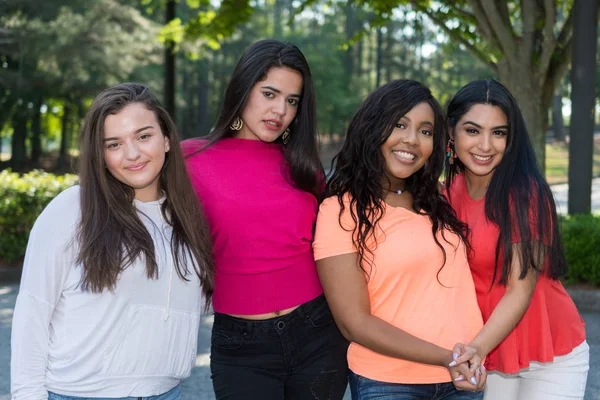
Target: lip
[
  {"x": 270, "y": 127},
  {"x": 136, "y": 167},
  {"x": 480, "y": 162},
  {"x": 405, "y": 160}
]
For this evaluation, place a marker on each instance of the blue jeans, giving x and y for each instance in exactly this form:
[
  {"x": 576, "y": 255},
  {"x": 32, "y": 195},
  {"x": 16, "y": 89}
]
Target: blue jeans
[
  {"x": 298, "y": 356},
  {"x": 173, "y": 394},
  {"x": 363, "y": 388}
]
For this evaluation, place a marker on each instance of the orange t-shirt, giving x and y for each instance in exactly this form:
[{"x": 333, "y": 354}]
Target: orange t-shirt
[
  {"x": 550, "y": 327},
  {"x": 405, "y": 288}
]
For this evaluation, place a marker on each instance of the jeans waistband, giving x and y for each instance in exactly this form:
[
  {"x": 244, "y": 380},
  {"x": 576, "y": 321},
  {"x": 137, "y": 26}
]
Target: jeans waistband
[{"x": 275, "y": 324}]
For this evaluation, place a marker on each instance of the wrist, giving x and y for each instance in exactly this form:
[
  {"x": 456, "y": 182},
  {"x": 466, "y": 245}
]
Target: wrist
[{"x": 445, "y": 358}]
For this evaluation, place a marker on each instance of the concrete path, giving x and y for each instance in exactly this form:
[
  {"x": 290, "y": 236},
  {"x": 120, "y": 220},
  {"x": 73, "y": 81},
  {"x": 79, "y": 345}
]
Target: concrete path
[
  {"x": 199, "y": 387},
  {"x": 561, "y": 196}
]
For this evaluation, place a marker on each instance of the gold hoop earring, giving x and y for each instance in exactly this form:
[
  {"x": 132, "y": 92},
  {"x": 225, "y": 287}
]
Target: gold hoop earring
[
  {"x": 237, "y": 124},
  {"x": 286, "y": 136}
]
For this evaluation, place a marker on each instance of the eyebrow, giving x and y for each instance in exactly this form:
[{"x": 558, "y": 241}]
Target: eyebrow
[
  {"x": 480, "y": 127},
  {"x": 279, "y": 91},
  {"x": 137, "y": 131},
  {"x": 422, "y": 123}
]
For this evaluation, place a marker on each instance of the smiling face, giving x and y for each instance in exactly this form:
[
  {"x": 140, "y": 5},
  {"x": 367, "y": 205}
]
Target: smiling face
[
  {"x": 480, "y": 139},
  {"x": 134, "y": 150},
  {"x": 272, "y": 105},
  {"x": 409, "y": 145}
]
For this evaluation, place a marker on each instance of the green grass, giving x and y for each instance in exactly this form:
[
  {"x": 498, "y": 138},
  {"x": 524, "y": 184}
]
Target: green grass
[{"x": 557, "y": 162}]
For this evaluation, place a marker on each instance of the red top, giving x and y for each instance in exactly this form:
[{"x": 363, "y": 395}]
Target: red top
[
  {"x": 261, "y": 225},
  {"x": 550, "y": 327}
]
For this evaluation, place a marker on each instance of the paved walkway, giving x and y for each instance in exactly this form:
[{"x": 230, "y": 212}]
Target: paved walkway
[
  {"x": 561, "y": 195},
  {"x": 199, "y": 387}
]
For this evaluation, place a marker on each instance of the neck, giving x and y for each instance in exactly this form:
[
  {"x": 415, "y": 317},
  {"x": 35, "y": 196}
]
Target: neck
[
  {"x": 394, "y": 185},
  {"x": 477, "y": 185},
  {"x": 148, "y": 194}
]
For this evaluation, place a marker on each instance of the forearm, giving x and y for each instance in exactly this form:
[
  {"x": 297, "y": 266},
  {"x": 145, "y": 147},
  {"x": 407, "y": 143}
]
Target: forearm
[
  {"x": 503, "y": 320},
  {"x": 383, "y": 338},
  {"x": 29, "y": 348}
]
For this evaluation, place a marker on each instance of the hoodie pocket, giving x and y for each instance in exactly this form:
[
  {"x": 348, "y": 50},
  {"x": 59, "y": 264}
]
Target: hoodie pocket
[{"x": 153, "y": 346}]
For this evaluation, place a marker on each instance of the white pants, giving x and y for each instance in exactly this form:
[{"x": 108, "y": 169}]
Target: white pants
[{"x": 563, "y": 378}]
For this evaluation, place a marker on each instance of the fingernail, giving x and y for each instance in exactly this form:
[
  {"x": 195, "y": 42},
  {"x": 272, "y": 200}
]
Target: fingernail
[
  {"x": 482, "y": 367},
  {"x": 460, "y": 378},
  {"x": 473, "y": 381},
  {"x": 454, "y": 355},
  {"x": 452, "y": 364}
]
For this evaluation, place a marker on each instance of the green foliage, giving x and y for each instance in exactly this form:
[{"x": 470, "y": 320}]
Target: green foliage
[
  {"x": 581, "y": 238},
  {"x": 23, "y": 197}
]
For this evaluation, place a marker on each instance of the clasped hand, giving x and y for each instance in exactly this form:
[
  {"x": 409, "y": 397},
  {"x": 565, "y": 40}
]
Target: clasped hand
[{"x": 466, "y": 369}]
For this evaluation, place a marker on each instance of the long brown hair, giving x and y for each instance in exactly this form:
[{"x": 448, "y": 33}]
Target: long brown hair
[{"x": 111, "y": 235}]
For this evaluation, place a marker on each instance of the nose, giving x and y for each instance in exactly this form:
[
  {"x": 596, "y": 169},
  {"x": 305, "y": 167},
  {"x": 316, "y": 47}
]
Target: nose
[
  {"x": 132, "y": 152},
  {"x": 280, "y": 108},
  {"x": 485, "y": 144},
  {"x": 410, "y": 136}
]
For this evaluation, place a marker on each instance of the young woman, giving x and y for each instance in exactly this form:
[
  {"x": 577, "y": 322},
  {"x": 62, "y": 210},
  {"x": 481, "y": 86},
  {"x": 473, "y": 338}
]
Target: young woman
[
  {"x": 118, "y": 268},
  {"x": 259, "y": 178},
  {"x": 391, "y": 254},
  {"x": 533, "y": 337}
]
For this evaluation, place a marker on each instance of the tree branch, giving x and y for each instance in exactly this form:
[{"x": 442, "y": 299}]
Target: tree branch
[
  {"x": 502, "y": 29},
  {"x": 482, "y": 22},
  {"x": 529, "y": 13},
  {"x": 549, "y": 43},
  {"x": 453, "y": 35}
]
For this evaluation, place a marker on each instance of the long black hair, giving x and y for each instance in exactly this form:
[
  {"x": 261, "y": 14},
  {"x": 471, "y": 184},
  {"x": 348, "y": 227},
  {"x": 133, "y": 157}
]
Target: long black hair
[
  {"x": 360, "y": 166},
  {"x": 300, "y": 151},
  {"x": 517, "y": 194}
]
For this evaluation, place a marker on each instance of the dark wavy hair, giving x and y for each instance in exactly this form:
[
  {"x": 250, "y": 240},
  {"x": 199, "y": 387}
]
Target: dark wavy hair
[
  {"x": 111, "y": 235},
  {"x": 517, "y": 193},
  {"x": 300, "y": 151},
  {"x": 359, "y": 167}
]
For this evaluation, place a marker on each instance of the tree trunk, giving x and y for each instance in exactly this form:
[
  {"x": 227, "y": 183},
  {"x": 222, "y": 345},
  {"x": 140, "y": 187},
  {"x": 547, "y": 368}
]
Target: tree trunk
[
  {"x": 19, "y": 121},
  {"x": 558, "y": 123},
  {"x": 64, "y": 137},
  {"x": 169, "y": 87},
  {"x": 278, "y": 19},
  {"x": 379, "y": 55},
  {"x": 534, "y": 107},
  {"x": 203, "y": 125},
  {"x": 36, "y": 133},
  {"x": 583, "y": 83}
]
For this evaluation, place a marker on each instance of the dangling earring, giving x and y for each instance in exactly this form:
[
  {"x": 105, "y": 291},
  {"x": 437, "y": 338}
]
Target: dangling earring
[
  {"x": 450, "y": 153},
  {"x": 237, "y": 124},
  {"x": 286, "y": 136}
]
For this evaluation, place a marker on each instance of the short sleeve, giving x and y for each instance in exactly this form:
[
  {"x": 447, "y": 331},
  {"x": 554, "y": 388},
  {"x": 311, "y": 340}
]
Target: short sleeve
[{"x": 331, "y": 238}]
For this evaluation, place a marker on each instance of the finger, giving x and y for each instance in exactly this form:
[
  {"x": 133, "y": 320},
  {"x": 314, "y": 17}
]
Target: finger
[
  {"x": 464, "y": 385},
  {"x": 466, "y": 372},
  {"x": 461, "y": 359}
]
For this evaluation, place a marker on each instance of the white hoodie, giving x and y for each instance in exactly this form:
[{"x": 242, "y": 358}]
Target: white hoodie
[{"x": 139, "y": 340}]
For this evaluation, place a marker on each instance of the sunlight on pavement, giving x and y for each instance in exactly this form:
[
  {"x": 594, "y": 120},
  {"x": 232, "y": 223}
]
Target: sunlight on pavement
[{"x": 203, "y": 360}]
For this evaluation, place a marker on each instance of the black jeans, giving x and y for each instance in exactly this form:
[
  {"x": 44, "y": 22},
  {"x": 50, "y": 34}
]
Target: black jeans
[{"x": 301, "y": 355}]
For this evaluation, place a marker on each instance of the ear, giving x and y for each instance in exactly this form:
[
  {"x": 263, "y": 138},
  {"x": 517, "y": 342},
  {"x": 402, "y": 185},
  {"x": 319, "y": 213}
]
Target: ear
[
  {"x": 167, "y": 144},
  {"x": 450, "y": 132}
]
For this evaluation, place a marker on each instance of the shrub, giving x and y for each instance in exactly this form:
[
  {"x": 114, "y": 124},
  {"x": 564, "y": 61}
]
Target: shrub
[
  {"x": 22, "y": 199},
  {"x": 581, "y": 238}
]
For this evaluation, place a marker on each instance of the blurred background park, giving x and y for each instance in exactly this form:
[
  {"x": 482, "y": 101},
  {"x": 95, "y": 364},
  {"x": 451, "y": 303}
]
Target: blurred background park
[{"x": 56, "y": 55}]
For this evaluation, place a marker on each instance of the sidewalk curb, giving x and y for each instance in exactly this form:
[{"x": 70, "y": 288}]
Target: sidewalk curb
[{"x": 585, "y": 299}]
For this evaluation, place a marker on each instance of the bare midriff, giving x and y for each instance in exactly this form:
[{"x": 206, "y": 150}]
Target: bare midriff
[{"x": 258, "y": 317}]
